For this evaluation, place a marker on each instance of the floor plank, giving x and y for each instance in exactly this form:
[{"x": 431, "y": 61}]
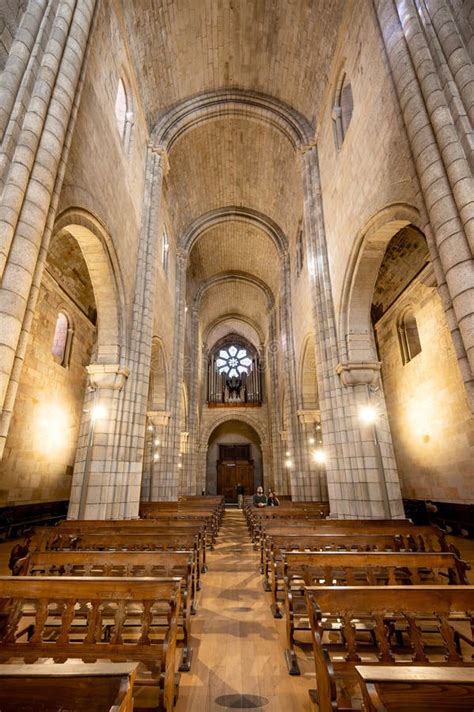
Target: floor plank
[{"x": 238, "y": 644}]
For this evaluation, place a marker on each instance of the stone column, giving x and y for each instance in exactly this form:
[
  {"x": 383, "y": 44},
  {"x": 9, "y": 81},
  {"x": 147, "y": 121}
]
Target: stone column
[
  {"x": 168, "y": 482},
  {"x": 36, "y": 126},
  {"x": 361, "y": 472},
  {"x": 155, "y": 438},
  {"x": 310, "y": 427},
  {"x": 117, "y": 467},
  {"x": 440, "y": 160},
  {"x": 273, "y": 398},
  {"x": 300, "y": 482},
  {"x": 94, "y": 482},
  {"x": 192, "y": 486}
]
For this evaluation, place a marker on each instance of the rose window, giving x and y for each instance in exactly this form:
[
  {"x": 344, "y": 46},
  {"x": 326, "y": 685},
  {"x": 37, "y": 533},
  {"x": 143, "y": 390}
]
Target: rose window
[{"x": 233, "y": 361}]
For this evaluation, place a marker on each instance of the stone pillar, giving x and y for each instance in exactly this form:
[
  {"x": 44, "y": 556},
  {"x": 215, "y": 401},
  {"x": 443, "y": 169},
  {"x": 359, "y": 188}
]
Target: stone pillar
[
  {"x": 440, "y": 159},
  {"x": 310, "y": 427},
  {"x": 39, "y": 99},
  {"x": 118, "y": 465},
  {"x": 167, "y": 482},
  {"x": 94, "y": 483},
  {"x": 198, "y": 356},
  {"x": 273, "y": 398},
  {"x": 155, "y": 438},
  {"x": 360, "y": 466}
]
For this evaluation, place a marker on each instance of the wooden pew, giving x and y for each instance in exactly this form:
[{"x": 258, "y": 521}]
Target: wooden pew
[
  {"x": 97, "y": 687},
  {"x": 108, "y": 539},
  {"x": 307, "y": 539},
  {"x": 408, "y": 536},
  {"x": 420, "y": 688},
  {"x": 311, "y": 569},
  {"x": 385, "y": 624},
  {"x": 89, "y": 619},
  {"x": 155, "y": 564},
  {"x": 144, "y": 526}
]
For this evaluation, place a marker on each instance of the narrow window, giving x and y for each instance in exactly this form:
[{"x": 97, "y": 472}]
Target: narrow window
[
  {"x": 62, "y": 340},
  {"x": 410, "y": 345},
  {"x": 165, "y": 252},
  {"x": 123, "y": 114},
  {"x": 342, "y": 110},
  {"x": 299, "y": 252},
  {"x": 121, "y": 109}
]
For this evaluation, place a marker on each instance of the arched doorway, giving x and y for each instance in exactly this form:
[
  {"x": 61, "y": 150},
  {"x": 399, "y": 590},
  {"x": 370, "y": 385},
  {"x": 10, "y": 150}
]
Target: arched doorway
[{"x": 234, "y": 455}]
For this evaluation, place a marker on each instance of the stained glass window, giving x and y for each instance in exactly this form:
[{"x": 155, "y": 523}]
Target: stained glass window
[{"x": 233, "y": 361}]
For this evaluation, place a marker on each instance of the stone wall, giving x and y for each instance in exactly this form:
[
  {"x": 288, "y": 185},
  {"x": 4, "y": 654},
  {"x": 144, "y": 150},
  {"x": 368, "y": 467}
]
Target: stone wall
[
  {"x": 11, "y": 13},
  {"x": 373, "y": 167},
  {"x": 41, "y": 445},
  {"x": 432, "y": 429}
]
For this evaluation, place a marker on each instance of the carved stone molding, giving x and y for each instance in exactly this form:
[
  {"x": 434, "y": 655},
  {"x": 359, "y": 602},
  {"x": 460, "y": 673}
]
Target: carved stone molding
[
  {"x": 158, "y": 417},
  {"x": 308, "y": 417},
  {"x": 107, "y": 375},
  {"x": 358, "y": 373}
]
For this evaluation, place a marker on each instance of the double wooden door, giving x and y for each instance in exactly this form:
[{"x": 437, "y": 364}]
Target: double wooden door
[{"x": 230, "y": 474}]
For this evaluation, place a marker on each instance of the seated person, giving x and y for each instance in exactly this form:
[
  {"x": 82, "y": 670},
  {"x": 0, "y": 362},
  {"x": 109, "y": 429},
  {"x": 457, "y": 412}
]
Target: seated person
[
  {"x": 272, "y": 499},
  {"x": 259, "y": 499}
]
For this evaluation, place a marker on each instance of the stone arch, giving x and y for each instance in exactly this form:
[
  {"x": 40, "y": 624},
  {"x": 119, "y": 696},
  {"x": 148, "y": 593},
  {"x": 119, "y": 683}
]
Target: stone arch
[
  {"x": 242, "y": 277},
  {"x": 158, "y": 390},
  {"x": 231, "y": 415},
  {"x": 308, "y": 384},
  {"x": 250, "y": 324},
  {"x": 234, "y": 213},
  {"x": 208, "y": 106},
  {"x": 355, "y": 326},
  {"x": 102, "y": 264}
]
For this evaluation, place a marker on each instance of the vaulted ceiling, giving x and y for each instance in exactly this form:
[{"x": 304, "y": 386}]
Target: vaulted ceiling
[{"x": 279, "y": 49}]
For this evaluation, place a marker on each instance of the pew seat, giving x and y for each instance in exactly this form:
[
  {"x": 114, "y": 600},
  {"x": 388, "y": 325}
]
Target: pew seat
[
  {"x": 94, "y": 619},
  {"x": 410, "y": 625},
  {"x": 74, "y": 687},
  {"x": 420, "y": 688}
]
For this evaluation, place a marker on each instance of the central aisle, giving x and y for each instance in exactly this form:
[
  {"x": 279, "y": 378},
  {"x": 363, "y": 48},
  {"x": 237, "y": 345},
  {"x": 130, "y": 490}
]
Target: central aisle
[{"x": 238, "y": 645}]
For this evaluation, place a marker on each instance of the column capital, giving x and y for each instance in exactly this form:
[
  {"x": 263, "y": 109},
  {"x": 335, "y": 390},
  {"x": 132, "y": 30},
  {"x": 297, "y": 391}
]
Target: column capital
[
  {"x": 307, "y": 417},
  {"x": 357, "y": 373},
  {"x": 107, "y": 375},
  {"x": 160, "y": 151},
  {"x": 307, "y": 147},
  {"x": 158, "y": 417}
]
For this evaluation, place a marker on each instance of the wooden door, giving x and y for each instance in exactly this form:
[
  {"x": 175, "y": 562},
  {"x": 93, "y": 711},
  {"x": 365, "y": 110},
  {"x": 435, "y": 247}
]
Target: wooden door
[{"x": 229, "y": 474}]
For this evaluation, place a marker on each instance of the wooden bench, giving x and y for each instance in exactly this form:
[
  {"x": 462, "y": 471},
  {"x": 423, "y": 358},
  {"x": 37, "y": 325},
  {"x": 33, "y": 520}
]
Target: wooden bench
[
  {"x": 308, "y": 540},
  {"x": 420, "y": 688},
  {"x": 155, "y": 564},
  {"x": 98, "y": 687},
  {"x": 110, "y": 540},
  {"x": 406, "y": 536},
  {"x": 89, "y": 619},
  {"x": 429, "y": 625},
  {"x": 300, "y": 569}
]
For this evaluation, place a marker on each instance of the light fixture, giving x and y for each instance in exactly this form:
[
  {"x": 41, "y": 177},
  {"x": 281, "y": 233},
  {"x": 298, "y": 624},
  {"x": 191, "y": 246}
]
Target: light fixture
[
  {"x": 367, "y": 414},
  {"x": 311, "y": 441},
  {"x": 98, "y": 412},
  {"x": 156, "y": 456},
  {"x": 287, "y": 453},
  {"x": 150, "y": 428},
  {"x": 180, "y": 465},
  {"x": 157, "y": 442},
  {"x": 288, "y": 464},
  {"x": 319, "y": 456}
]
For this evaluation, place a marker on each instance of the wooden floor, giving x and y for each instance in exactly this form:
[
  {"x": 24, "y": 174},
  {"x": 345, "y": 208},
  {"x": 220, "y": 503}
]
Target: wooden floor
[
  {"x": 238, "y": 660},
  {"x": 238, "y": 646}
]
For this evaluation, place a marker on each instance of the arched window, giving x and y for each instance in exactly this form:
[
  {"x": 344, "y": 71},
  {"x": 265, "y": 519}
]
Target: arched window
[
  {"x": 123, "y": 114},
  {"x": 62, "y": 340},
  {"x": 410, "y": 345},
  {"x": 234, "y": 375},
  {"x": 342, "y": 110},
  {"x": 299, "y": 251},
  {"x": 165, "y": 249}
]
